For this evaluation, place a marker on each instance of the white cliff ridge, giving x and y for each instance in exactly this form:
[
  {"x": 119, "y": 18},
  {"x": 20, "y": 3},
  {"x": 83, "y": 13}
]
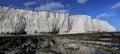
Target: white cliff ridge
[{"x": 18, "y": 20}]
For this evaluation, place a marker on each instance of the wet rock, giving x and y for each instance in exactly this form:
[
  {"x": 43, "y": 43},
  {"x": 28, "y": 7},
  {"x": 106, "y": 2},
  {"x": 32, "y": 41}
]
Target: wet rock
[
  {"x": 71, "y": 46},
  {"x": 46, "y": 45},
  {"x": 2, "y": 53}
]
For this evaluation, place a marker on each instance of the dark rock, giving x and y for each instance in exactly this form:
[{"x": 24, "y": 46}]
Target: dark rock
[{"x": 2, "y": 53}]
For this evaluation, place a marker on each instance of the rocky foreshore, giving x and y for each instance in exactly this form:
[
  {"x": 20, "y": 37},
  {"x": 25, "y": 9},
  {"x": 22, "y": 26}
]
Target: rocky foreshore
[{"x": 58, "y": 44}]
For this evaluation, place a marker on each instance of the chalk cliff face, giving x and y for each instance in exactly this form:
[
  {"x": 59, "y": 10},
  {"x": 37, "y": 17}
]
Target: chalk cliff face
[{"x": 17, "y": 20}]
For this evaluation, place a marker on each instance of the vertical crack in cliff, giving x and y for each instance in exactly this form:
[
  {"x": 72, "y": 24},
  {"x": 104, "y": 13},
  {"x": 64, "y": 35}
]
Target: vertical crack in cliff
[{"x": 20, "y": 25}]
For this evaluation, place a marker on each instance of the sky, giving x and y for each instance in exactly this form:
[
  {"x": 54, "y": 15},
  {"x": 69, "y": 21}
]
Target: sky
[{"x": 108, "y": 10}]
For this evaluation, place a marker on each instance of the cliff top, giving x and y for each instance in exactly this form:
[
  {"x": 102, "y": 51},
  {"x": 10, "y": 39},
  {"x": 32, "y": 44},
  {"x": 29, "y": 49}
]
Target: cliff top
[{"x": 43, "y": 10}]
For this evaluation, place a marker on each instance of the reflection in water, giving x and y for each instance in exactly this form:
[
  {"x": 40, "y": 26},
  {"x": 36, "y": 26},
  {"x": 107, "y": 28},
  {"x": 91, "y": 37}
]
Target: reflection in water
[
  {"x": 115, "y": 44},
  {"x": 82, "y": 50},
  {"x": 100, "y": 51}
]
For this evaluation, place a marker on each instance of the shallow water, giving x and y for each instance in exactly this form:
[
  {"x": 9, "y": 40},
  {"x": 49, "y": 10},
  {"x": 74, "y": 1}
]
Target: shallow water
[{"x": 82, "y": 50}]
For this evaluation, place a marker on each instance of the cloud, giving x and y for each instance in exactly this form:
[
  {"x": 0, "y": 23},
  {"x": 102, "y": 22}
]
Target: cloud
[
  {"x": 11, "y": 6},
  {"x": 62, "y": 10},
  {"x": 53, "y": 6},
  {"x": 27, "y": 4},
  {"x": 117, "y": 5},
  {"x": 50, "y": 6},
  {"x": 104, "y": 15},
  {"x": 82, "y": 1}
]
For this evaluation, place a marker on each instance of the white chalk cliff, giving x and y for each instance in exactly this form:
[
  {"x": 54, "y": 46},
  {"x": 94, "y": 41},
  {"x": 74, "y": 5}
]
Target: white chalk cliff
[{"x": 15, "y": 20}]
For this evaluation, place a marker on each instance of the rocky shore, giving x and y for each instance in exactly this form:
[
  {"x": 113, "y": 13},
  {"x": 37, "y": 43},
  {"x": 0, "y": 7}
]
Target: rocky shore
[{"x": 58, "y": 44}]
